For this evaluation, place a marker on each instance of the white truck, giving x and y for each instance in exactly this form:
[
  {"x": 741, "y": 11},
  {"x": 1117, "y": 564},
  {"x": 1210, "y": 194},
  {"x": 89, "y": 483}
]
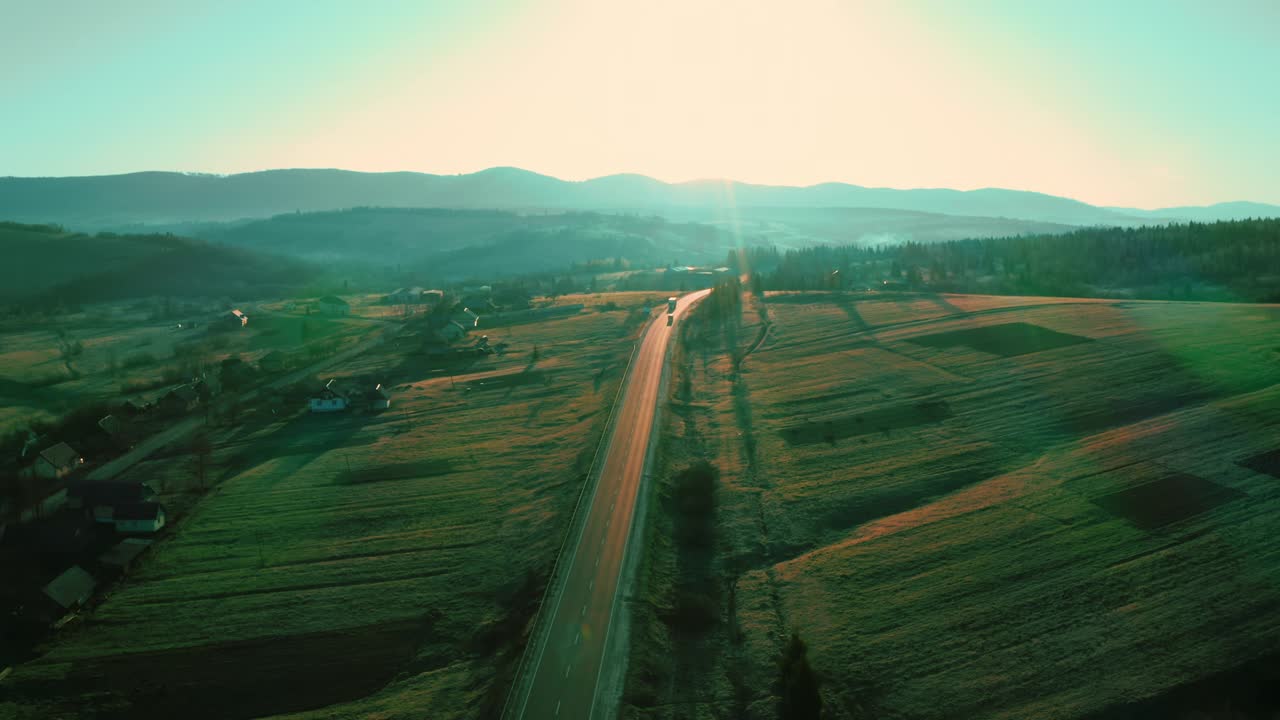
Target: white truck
[{"x": 671, "y": 305}]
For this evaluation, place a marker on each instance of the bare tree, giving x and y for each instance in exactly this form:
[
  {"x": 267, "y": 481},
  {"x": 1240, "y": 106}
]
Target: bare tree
[
  {"x": 69, "y": 349},
  {"x": 201, "y": 450}
]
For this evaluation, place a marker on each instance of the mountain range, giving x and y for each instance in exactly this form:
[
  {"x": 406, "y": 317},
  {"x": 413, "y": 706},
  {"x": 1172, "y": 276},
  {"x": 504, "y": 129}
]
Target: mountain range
[{"x": 108, "y": 201}]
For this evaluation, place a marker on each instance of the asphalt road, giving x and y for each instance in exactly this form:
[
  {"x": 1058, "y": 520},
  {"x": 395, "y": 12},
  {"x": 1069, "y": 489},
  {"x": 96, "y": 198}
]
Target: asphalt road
[{"x": 565, "y": 671}]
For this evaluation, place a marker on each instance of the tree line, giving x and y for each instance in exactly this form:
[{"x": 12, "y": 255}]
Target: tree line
[{"x": 1232, "y": 260}]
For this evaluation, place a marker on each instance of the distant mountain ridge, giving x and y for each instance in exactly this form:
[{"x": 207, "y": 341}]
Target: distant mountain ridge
[{"x": 169, "y": 197}]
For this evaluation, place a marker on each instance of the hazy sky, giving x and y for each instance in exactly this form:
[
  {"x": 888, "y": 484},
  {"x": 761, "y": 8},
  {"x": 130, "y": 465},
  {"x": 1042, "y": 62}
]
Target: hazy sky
[{"x": 1114, "y": 103}]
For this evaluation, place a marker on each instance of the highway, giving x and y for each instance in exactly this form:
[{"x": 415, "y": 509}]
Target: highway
[{"x": 562, "y": 677}]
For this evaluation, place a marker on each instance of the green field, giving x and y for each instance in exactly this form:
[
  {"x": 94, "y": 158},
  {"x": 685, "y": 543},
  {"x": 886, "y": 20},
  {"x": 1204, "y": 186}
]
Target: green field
[
  {"x": 379, "y": 564},
  {"x": 127, "y": 350},
  {"x": 968, "y": 507}
]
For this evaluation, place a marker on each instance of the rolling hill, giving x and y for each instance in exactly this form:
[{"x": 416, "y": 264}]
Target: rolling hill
[
  {"x": 47, "y": 265},
  {"x": 167, "y": 197}
]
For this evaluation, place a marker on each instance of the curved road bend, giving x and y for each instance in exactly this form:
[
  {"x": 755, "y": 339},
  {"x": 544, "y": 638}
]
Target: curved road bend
[{"x": 565, "y": 670}]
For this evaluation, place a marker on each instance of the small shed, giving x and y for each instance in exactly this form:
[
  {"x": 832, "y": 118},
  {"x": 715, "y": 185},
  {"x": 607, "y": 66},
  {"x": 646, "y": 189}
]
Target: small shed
[
  {"x": 141, "y": 518},
  {"x": 235, "y": 319},
  {"x": 57, "y": 462},
  {"x": 112, "y": 425},
  {"x": 71, "y": 589},
  {"x": 122, "y": 554}
]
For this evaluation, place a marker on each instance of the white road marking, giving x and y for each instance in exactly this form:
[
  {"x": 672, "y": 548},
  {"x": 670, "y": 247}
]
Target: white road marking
[
  {"x": 597, "y": 561},
  {"x": 591, "y": 585},
  {"x": 557, "y": 708},
  {"x": 566, "y": 670},
  {"x": 578, "y": 640}
]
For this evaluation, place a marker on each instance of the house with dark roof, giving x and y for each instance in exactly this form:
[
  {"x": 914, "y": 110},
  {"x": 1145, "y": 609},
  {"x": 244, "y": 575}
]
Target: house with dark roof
[
  {"x": 333, "y": 305},
  {"x": 179, "y": 400},
  {"x": 330, "y": 399},
  {"x": 368, "y": 397},
  {"x": 57, "y": 462},
  {"x": 141, "y": 518}
]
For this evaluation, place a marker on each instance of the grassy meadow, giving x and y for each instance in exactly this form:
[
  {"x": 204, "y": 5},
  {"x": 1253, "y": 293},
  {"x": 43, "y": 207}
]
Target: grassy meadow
[
  {"x": 127, "y": 351},
  {"x": 967, "y": 506},
  {"x": 349, "y": 565}
]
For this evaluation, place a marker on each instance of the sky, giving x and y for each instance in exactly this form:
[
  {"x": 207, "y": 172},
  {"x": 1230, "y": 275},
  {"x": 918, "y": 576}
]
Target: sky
[{"x": 1136, "y": 104}]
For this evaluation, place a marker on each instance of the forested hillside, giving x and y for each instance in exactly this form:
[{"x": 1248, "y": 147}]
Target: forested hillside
[
  {"x": 1236, "y": 260},
  {"x": 48, "y": 266},
  {"x": 442, "y": 245}
]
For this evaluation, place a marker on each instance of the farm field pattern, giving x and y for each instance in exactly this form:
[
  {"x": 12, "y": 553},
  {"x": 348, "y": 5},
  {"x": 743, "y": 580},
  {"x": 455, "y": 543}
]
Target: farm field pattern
[
  {"x": 980, "y": 507},
  {"x": 376, "y": 563}
]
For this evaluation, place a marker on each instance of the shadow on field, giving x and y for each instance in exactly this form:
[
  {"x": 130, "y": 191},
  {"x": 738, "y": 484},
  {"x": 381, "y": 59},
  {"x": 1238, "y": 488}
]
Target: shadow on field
[
  {"x": 1005, "y": 339},
  {"x": 246, "y": 679},
  {"x": 1250, "y": 691},
  {"x": 505, "y": 638},
  {"x": 850, "y": 513},
  {"x": 297, "y": 444},
  {"x": 1176, "y": 497},
  {"x": 1267, "y": 463},
  {"x": 881, "y": 420},
  {"x": 424, "y": 468},
  {"x": 694, "y": 608}
]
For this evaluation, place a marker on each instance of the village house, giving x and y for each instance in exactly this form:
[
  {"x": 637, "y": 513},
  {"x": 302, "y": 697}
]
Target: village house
[
  {"x": 141, "y": 518},
  {"x": 330, "y": 399},
  {"x": 333, "y": 305},
  {"x": 179, "y": 400},
  {"x": 369, "y": 398},
  {"x": 234, "y": 319},
  {"x": 57, "y": 462}
]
